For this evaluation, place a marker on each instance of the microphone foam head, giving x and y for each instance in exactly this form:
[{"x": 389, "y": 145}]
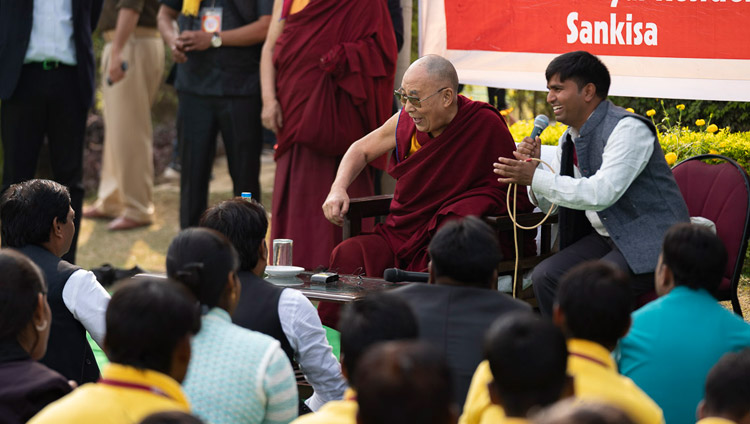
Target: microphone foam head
[
  {"x": 390, "y": 275},
  {"x": 541, "y": 121}
]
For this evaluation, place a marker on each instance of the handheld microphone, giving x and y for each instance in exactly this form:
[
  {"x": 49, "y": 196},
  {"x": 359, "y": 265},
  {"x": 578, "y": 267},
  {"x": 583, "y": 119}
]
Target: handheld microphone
[
  {"x": 395, "y": 275},
  {"x": 540, "y": 123}
]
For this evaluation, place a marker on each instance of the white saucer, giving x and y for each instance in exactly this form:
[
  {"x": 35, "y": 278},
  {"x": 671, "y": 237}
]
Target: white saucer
[
  {"x": 285, "y": 281},
  {"x": 280, "y": 271}
]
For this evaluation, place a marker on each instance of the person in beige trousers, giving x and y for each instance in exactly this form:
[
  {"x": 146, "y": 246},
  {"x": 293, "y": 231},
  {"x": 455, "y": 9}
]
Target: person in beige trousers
[{"x": 132, "y": 67}]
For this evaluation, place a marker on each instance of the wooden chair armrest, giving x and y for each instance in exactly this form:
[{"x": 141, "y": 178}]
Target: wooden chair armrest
[{"x": 364, "y": 207}]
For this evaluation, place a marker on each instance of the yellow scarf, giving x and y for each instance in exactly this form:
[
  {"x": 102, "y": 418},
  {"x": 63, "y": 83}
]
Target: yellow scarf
[{"x": 190, "y": 7}]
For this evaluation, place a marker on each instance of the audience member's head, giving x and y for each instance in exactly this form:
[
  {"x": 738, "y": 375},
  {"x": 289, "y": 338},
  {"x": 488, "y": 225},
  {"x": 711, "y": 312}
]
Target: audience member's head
[
  {"x": 575, "y": 411},
  {"x": 171, "y": 417},
  {"x": 583, "y": 68},
  {"x": 25, "y": 315},
  {"x": 244, "y": 223},
  {"x": 149, "y": 326},
  {"x": 404, "y": 382},
  {"x": 691, "y": 256},
  {"x": 466, "y": 252},
  {"x": 37, "y": 212},
  {"x": 528, "y": 358},
  {"x": 378, "y": 317},
  {"x": 594, "y": 303},
  {"x": 728, "y": 389},
  {"x": 206, "y": 262}
]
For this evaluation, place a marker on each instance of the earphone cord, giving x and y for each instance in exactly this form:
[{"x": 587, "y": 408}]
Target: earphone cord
[{"x": 516, "y": 225}]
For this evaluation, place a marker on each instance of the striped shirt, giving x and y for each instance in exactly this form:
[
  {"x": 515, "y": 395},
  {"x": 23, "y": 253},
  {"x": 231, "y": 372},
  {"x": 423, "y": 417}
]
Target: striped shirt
[{"x": 238, "y": 375}]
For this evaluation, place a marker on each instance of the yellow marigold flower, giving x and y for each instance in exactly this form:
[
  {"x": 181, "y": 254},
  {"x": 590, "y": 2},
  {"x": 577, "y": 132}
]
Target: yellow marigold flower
[
  {"x": 700, "y": 122},
  {"x": 651, "y": 112},
  {"x": 671, "y": 158},
  {"x": 713, "y": 152},
  {"x": 712, "y": 128},
  {"x": 680, "y": 107},
  {"x": 506, "y": 112},
  {"x": 630, "y": 109}
]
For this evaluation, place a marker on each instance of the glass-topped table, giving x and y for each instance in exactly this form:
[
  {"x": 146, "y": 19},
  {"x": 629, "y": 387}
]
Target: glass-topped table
[{"x": 346, "y": 289}]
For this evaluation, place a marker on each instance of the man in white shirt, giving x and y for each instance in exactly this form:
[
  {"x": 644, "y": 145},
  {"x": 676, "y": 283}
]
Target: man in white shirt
[
  {"x": 284, "y": 314},
  {"x": 615, "y": 192},
  {"x": 36, "y": 218}
]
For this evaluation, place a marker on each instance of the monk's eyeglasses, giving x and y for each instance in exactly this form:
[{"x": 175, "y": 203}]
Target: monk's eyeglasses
[{"x": 415, "y": 101}]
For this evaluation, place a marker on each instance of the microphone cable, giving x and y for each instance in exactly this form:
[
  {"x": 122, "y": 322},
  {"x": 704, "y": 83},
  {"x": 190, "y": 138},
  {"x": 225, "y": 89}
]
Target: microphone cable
[{"x": 516, "y": 225}]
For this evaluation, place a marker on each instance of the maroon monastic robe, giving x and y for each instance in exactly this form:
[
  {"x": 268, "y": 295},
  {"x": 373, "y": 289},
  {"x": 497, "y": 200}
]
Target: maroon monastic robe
[
  {"x": 335, "y": 63},
  {"x": 450, "y": 176}
]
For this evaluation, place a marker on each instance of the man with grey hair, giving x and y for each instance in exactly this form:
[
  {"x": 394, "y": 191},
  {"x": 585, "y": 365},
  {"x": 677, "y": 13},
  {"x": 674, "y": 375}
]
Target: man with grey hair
[{"x": 443, "y": 146}]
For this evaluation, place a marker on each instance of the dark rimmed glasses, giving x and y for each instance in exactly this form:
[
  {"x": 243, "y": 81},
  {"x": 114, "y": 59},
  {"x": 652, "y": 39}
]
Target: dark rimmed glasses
[{"x": 415, "y": 101}]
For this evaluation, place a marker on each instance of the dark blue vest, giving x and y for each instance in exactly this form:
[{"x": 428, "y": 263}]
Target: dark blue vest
[
  {"x": 653, "y": 202},
  {"x": 258, "y": 309},
  {"x": 68, "y": 350}
]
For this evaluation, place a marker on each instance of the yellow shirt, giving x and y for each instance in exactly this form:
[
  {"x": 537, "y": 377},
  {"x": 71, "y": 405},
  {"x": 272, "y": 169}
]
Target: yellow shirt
[
  {"x": 596, "y": 378},
  {"x": 414, "y": 144},
  {"x": 479, "y": 408},
  {"x": 298, "y": 5},
  {"x": 334, "y": 412},
  {"x": 513, "y": 420},
  {"x": 715, "y": 420},
  {"x": 98, "y": 403}
]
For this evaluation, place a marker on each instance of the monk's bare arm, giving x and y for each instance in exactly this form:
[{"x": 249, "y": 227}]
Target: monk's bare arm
[
  {"x": 362, "y": 152},
  {"x": 271, "y": 115}
]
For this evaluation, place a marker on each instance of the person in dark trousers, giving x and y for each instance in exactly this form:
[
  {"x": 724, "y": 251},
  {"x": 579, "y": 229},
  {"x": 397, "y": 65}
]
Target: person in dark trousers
[
  {"x": 46, "y": 90},
  {"x": 615, "y": 192},
  {"x": 217, "y": 51}
]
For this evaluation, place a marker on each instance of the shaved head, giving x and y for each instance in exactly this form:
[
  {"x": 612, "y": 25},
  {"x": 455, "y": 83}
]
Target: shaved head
[
  {"x": 432, "y": 84},
  {"x": 438, "y": 68}
]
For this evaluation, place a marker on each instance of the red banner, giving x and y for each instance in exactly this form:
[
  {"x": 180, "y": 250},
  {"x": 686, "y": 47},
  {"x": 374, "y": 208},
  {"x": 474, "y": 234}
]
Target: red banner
[{"x": 694, "y": 29}]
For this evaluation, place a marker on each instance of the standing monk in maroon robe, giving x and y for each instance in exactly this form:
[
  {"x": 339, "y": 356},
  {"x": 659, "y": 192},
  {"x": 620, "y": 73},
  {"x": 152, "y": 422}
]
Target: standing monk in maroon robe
[
  {"x": 444, "y": 146},
  {"x": 327, "y": 71}
]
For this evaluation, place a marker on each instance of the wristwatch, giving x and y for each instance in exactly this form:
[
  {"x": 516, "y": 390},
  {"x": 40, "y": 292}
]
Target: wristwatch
[{"x": 216, "y": 40}]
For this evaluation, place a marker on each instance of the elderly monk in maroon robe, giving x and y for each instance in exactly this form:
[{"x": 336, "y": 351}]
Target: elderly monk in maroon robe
[
  {"x": 443, "y": 149},
  {"x": 327, "y": 72}
]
